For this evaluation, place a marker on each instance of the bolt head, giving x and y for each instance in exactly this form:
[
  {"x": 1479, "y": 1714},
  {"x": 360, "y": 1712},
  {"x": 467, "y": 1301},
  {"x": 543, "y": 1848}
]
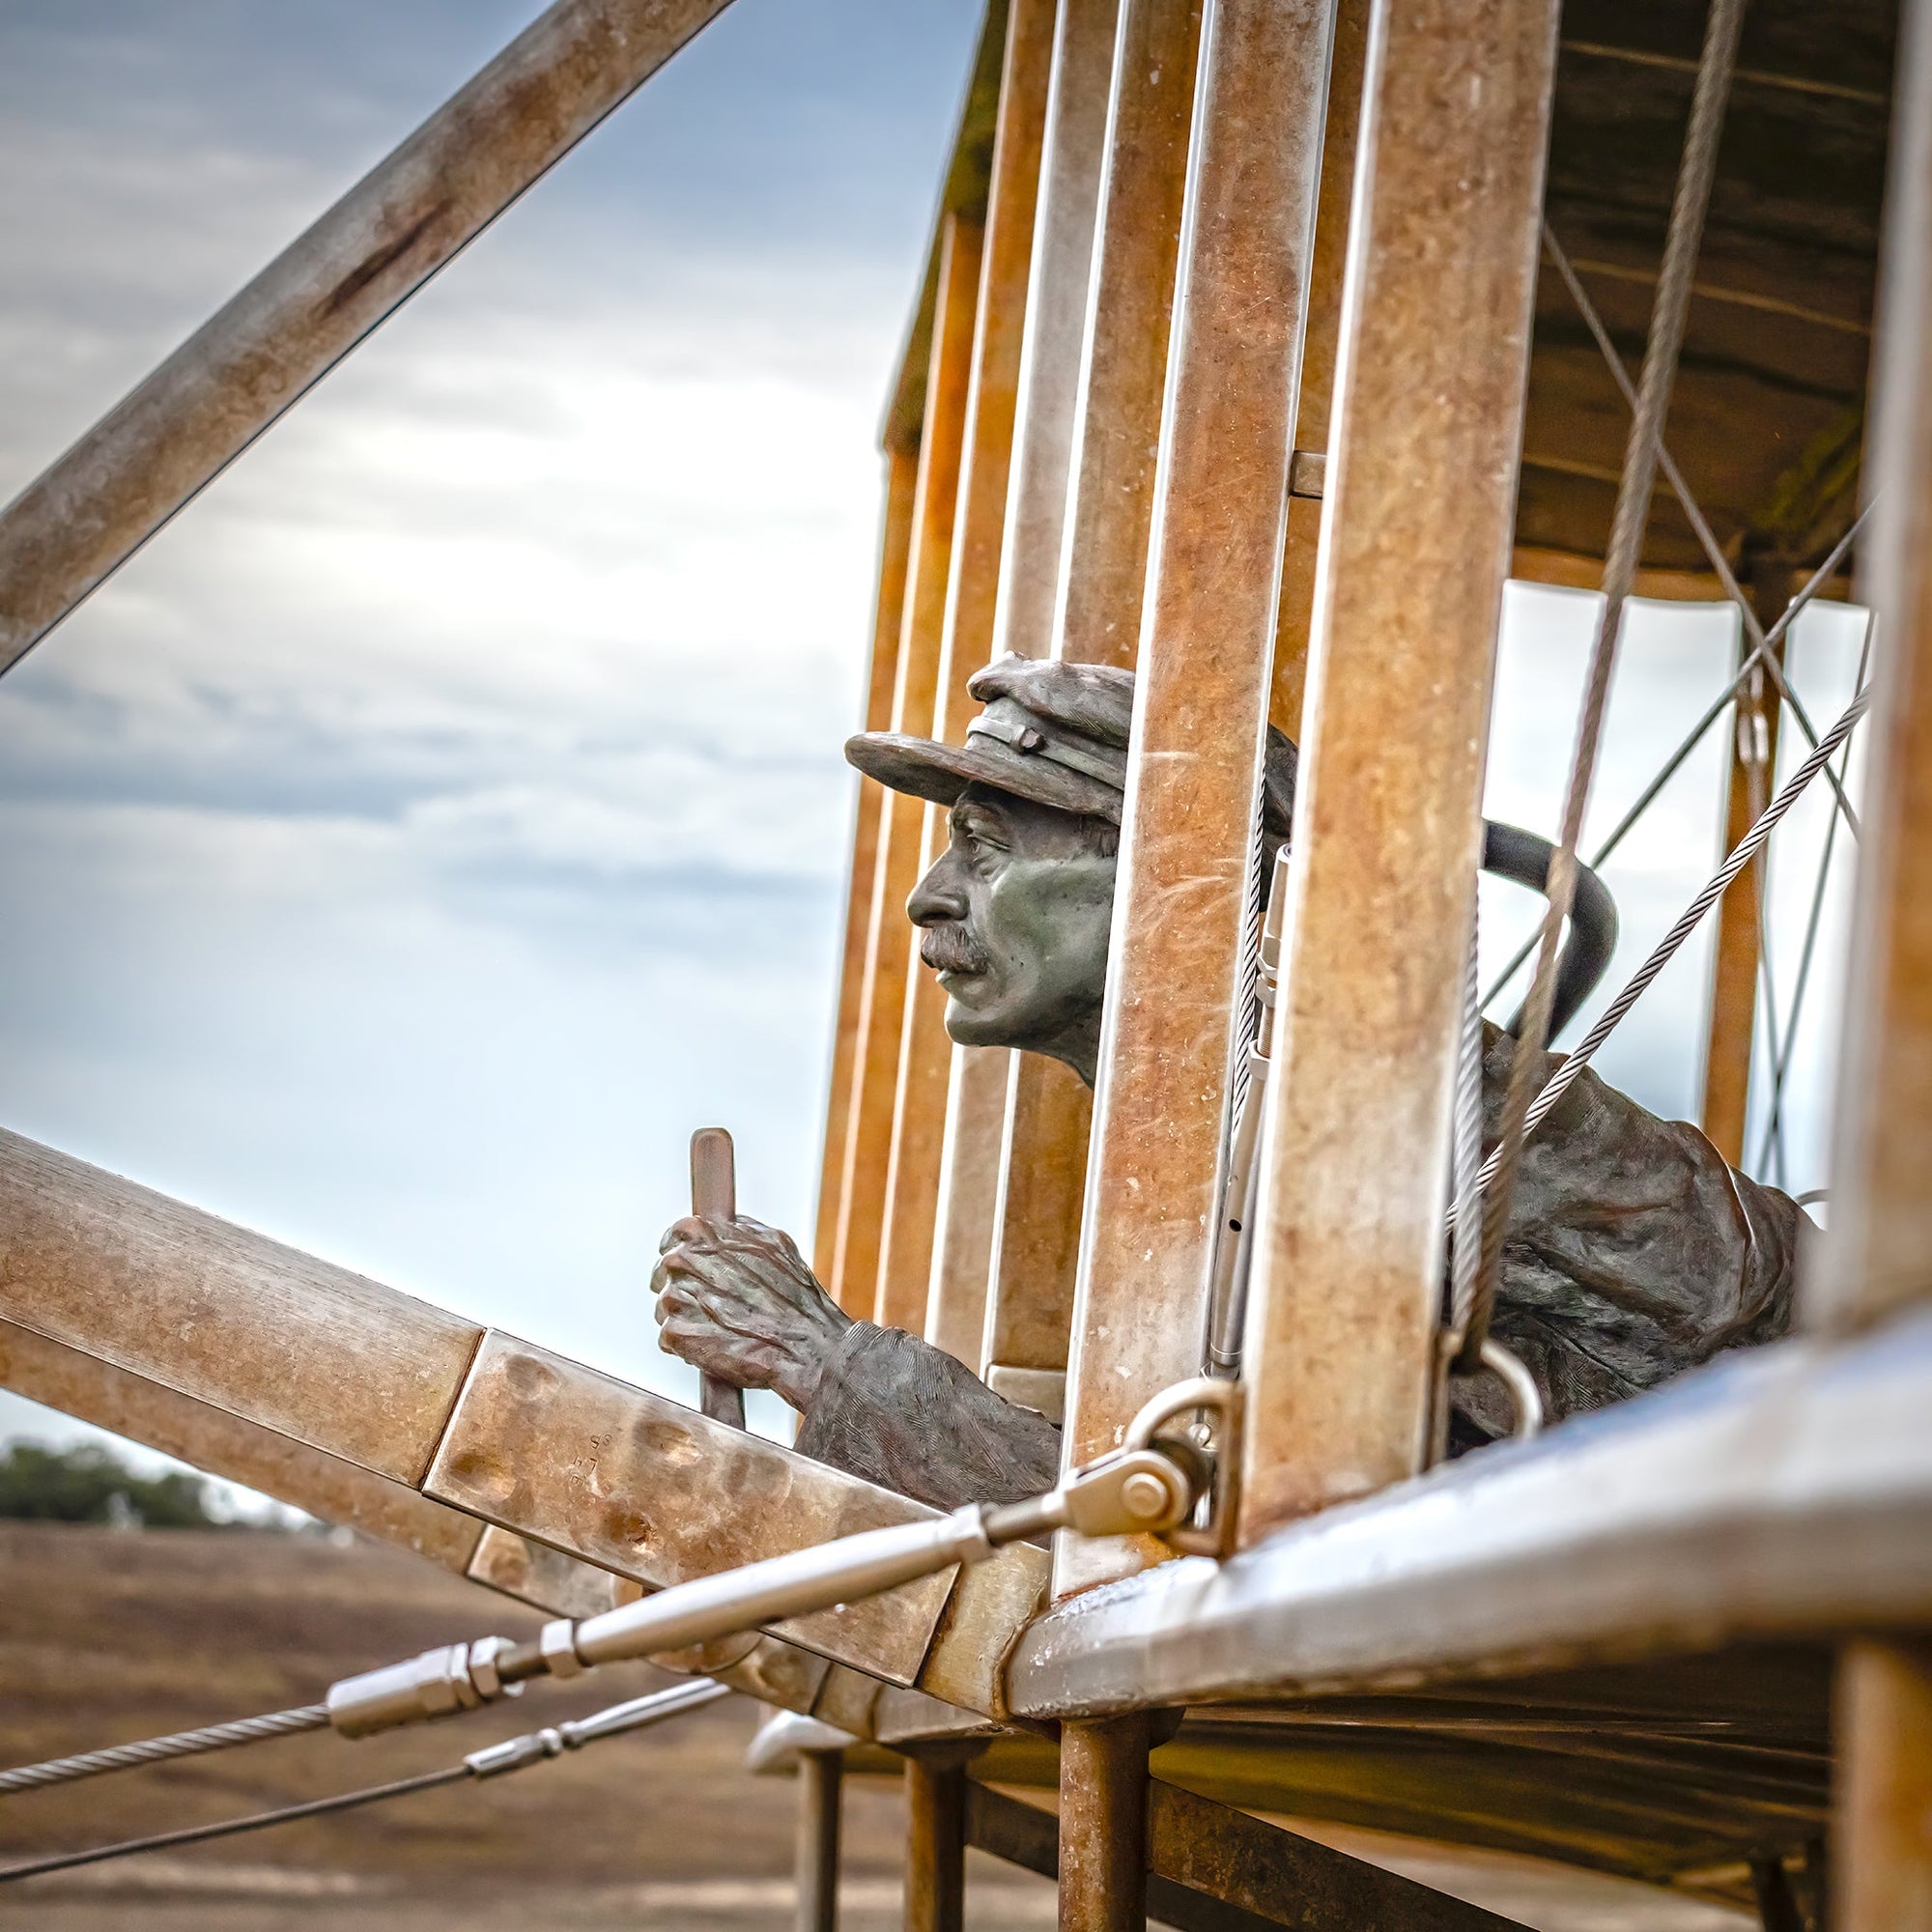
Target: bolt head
[{"x": 1144, "y": 1496}]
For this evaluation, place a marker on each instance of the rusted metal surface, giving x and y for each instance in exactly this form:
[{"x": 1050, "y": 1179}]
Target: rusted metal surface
[
  {"x": 1103, "y": 1818},
  {"x": 1784, "y": 1492},
  {"x": 1049, "y": 1118},
  {"x": 894, "y": 542},
  {"x": 924, "y": 1165},
  {"x": 394, "y": 230},
  {"x": 846, "y": 1700},
  {"x": 1734, "y": 977},
  {"x": 1124, "y": 358},
  {"x": 1056, "y": 322},
  {"x": 935, "y": 1871},
  {"x": 1882, "y": 1841},
  {"x": 969, "y": 1192},
  {"x": 1316, "y": 402},
  {"x": 1876, "y": 1261},
  {"x": 815, "y": 1862},
  {"x": 867, "y": 1178},
  {"x": 1418, "y": 512},
  {"x": 1200, "y": 709},
  {"x": 654, "y": 1491},
  {"x": 1288, "y": 1879},
  {"x": 230, "y": 1447},
  {"x": 240, "y": 1321}
]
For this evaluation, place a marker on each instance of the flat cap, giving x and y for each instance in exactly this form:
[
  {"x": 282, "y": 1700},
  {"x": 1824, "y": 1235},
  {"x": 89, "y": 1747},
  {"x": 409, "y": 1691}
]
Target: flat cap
[{"x": 1053, "y": 732}]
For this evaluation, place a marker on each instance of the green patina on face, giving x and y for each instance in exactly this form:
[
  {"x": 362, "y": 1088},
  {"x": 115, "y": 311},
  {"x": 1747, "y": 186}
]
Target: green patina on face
[{"x": 1015, "y": 915}]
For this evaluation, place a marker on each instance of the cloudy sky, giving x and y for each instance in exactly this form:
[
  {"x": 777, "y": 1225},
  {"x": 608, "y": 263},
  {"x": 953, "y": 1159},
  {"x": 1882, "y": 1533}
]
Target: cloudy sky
[{"x": 444, "y": 814}]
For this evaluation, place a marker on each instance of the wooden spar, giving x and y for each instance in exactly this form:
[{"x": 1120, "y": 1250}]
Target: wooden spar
[
  {"x": 1200, "y": 707},
  {"x": 1027, "y": 1308},
  {"x": 896, "y": 541},
  {"x": 1315, "y": 403},
  {"x": 865, "y": 1186},
  {"x": 416, "y": 208},
  {"x": 230, "y": 1447},
  {"x": 478, "y": 1421},
  {"x": 1878, "y": 1264},
  {"x": 1429, "y": 405},
  {"x": 1732, "y": 1031},
  {"x": 951, "y": 1098}
]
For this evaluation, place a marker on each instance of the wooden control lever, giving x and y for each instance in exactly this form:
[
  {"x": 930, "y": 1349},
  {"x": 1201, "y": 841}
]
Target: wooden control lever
[{"x": 714, "y": 1195}]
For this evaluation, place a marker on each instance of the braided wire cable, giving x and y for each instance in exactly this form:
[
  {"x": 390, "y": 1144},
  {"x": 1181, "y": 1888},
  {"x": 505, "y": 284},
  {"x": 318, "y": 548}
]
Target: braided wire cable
[
  {"x": 1742, "y": 853},
  {"x": 1465, "y": 1251},
  {"x": 156, "y": 1751},
  {"x": 1683, "y": 241}
]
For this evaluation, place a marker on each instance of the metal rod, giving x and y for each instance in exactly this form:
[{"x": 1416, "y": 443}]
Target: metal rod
[
  {"x": 935, "y": 1879},
  {"x": 1103, "y": 1808},
  {"x": 170, "y": 437}
]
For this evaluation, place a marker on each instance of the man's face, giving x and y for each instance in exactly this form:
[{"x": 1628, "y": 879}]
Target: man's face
[{"x": 1014, "y": 916}]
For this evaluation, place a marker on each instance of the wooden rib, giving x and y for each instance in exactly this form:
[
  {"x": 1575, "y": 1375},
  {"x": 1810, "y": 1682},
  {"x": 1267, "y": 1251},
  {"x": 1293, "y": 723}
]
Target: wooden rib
[
  {"x": 969, "y": 1193},
  {"x": 869, "y": 1137},
  {"x": 1879, "y": 1259},
  {"x": 1418, "y": 512},
  {"x": 1201, "y": 708},
  {"x": 924, "y": 1166},
  {"x": 895, "y": 540},
  {"x": 1315, "y": 403}
]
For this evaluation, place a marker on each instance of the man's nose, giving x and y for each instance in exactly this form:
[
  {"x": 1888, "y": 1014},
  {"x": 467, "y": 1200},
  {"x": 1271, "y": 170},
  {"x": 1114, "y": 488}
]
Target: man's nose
[{"x": 939, "y": 897}]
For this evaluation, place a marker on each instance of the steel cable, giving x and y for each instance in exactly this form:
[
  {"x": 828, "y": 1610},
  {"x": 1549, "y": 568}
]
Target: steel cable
[
  {"x": 156, "y": 1751},
  {"x": 1683, "y": 241},
  {"x": 495, "y": 1760},
  {"x": 1742, "y": 853}
]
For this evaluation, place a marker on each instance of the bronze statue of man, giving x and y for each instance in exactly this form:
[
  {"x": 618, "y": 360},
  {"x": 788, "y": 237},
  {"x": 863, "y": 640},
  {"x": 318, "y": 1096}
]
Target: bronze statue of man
[{"x": 1634, "y": 1250}]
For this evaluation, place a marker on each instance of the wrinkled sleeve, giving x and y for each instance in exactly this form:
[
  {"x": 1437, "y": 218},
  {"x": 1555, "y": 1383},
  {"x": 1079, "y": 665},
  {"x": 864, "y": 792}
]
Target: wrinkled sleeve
[
  {"x": 1634, "y": 1249},
  {"x": 899, "y": 1411}
]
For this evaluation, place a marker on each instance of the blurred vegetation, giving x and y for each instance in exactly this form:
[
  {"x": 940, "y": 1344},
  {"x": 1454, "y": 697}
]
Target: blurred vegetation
[{"x": 91, "y": 1483}]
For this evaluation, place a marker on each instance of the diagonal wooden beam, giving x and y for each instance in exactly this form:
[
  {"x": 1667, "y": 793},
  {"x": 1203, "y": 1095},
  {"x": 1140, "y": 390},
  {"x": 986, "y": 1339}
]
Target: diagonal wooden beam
[
  {"x": 486, "y": 1424},
  {"x": 158, "y": 448}
]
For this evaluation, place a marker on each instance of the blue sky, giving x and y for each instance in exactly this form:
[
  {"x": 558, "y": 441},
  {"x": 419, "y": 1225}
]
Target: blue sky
[{"x": 446, "y": 813}]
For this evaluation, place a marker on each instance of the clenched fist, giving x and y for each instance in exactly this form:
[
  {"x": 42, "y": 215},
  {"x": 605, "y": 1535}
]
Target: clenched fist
[{"x": 736, "y": 1301}]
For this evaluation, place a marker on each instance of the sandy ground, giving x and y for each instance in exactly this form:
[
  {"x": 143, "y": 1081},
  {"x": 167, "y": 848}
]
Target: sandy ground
[{"x": 106, "y": 1637}]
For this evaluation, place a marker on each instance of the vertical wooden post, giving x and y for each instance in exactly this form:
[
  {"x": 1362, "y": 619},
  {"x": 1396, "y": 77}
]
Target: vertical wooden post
[
  {"x": 895, "y": 540},
  {"x": 895, "y": 868},
  {"x": 935, "y": 1787},
  {"x": 1882, "y": 1857},
  {"x": 1036, "y": 1309},
  {"x": 1733, "y": 1010},
  {"x": 821, "y": 1775},
  {"x": 1124, "y": 358},
  {"x": 1201, "y": 708},
  {"x": 940, "y": 1212},
  {"x": 1103, "y": 1801},
  {"x": 1417, "y": 522},
  {"x": 1316, "y": 405},
  {"x": 1877, "y": 1260}
]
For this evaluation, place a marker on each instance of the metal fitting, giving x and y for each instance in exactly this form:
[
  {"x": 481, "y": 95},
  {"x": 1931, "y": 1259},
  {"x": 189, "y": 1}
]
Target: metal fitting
[
  {"x": 438, "y": 1683},
  {"x": 557, "y": 1643}
]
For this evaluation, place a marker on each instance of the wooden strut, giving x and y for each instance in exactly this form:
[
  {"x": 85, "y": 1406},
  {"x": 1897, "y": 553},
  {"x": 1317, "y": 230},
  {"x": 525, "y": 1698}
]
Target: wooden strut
[{"x": 412, "y": 214}]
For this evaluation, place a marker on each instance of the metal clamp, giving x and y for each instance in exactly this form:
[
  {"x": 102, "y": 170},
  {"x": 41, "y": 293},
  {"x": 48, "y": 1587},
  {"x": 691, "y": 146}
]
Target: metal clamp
[
  {"x": 1211, "y": 1445},
  {"x": 439, "y": 1684}
]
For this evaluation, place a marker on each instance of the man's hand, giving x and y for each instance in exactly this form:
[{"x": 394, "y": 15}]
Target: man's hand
[{"x": 736, "y": 1301}]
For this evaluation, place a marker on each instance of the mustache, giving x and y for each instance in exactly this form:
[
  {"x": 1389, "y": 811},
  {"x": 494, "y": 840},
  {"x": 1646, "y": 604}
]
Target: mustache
[{"x": 953, "y": 949}]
